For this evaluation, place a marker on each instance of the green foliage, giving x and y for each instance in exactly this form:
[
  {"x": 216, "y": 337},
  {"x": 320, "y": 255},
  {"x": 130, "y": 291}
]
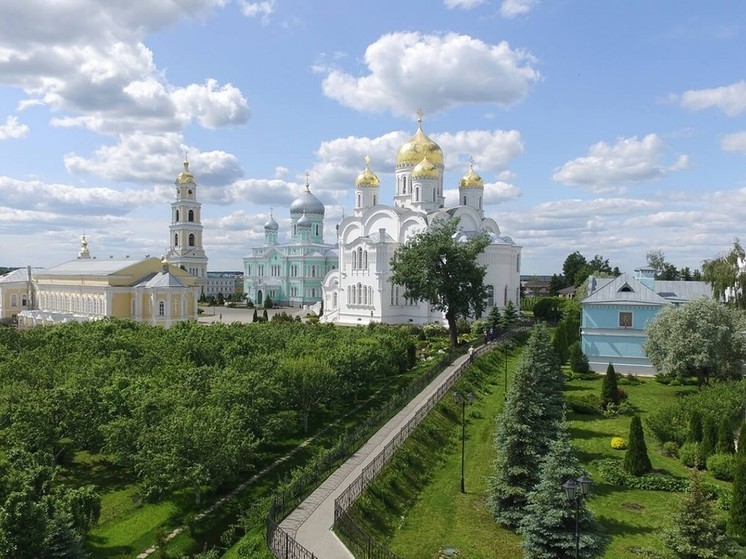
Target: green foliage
[
  {"x": 737, "y": 514},
  {"x": 725, "y": 443},
  {"x": 268, "y": 303},
  {"x": 549, "y": 521},
  {"x": 436, "y": 267},
  {"x": 573, "y": 268},
  {"x": 265, "y": 315},
  {"x": 694, "y": 533},
  {"x": 722, "y": 466},
  {"x": 636, "y": 459},
  {"x": 509, "y": 317},
  {"x": 568, "y": 329},
  {"x": 726, "y": 275},
  {"x": 528, "y": 303},
  {"x": 528, "y": 423},
  {"x": 587, "y": 404},
  {"x": 493, "y": 318},
  {"x": 700, "y": 338},
  {"x": 709, "y": 438},
  {"x": 610, "y": 388},
  {"x": 548, "y": 309},
  {"x": 612, "y": 471},
  {"x": 254, "y": 316},
  {"x": 695, "y": 431},
  {"x": 691, "y": 456},
  {"x": 578, "y": 360}
]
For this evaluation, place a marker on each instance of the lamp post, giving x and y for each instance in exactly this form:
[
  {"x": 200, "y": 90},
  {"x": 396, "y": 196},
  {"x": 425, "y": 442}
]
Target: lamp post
[
  {"x": 576, "y": 491},
  {"x": 463, "y": 399}
]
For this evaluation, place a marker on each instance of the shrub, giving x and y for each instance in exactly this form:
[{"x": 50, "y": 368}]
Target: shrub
[
  {"x": 612, "y": 471},
  {"x": 609, "y": 388},
  {"x": 268, "y": 303},
  {"x": 636, "y": 460},
  {"x": 722, "y": 466},
  {"x": 690, "y": 456},
  {"x": 618, "y": 443},
  {"x": 709, "y": 438},
  {"x": 589, "y": 404},
  {"x": 725, "y": 442},
  {"x": 578, "y": 360},
  {"x": 670, "y": 449}
]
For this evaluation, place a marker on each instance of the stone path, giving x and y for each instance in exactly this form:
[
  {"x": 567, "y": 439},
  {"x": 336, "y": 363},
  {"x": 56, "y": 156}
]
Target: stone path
[{"x": 310, "y": 524}]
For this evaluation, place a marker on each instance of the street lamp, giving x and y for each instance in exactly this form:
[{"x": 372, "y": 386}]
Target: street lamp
[
  {"x": 463, "y": 399},
  {"x": 576, "y": 491}
]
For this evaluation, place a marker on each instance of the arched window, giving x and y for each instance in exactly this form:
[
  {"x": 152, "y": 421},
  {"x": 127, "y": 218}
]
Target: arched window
[
  {"x": 417, "y": 194},
  {"x": 191, "y": 239},
  {"x": 161, "y": 309},
  {"x": 359, "y": 201},
  {"x": 354, "y": 259},
  {"x": 490, "y": 291},
  {"x": 374, "y": 200},
  {"x": 359, "y": 294},
  {"x": 334, "y": 300},
  {"x": 505, "y": 296},
  {"x": 176, "y": 239},
  {"x": 434, "y": 194},
  {"x": 360, "y": 257},
  {"x": 404, "y": 185},
  {"x": 177, "y": 215},
  {"x": 464, "y": 200},
  {"x": 365, "y": 260},
  {"x": 13, "y": 301},
  {"x": 313, "y": 271},
  {"x": 191, "y": 215}
]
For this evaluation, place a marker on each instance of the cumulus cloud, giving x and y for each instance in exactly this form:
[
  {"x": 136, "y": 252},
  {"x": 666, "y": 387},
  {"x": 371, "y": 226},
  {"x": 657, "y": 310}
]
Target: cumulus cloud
[
  {"x": 730, "y": 99},
  {"x": 629, "y": 160},
  {"x": 38, "y": 196},
  {"x": 148, "y": 158},
  {"x": 463, "y": 4},
  {"x": 86, "y": 61},
  {"x": 408, "y": 70},
  {"x": 262, "y": 9},
  {"x": 13, "y": 129},
  {"x": 734, "y": 142},
  {"x": 514, "y": 8}
]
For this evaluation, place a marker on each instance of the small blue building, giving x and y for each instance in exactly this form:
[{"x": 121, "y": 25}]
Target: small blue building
[{"x": 616, "y": 311}]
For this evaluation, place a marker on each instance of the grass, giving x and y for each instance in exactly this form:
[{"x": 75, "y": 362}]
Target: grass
[{"x": 417, "y": 513}]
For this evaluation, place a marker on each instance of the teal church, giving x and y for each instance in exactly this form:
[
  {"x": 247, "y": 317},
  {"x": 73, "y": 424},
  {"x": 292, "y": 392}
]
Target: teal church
[{"x": 291, "y": 273}]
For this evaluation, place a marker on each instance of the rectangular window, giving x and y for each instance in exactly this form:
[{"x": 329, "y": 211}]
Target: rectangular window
[{"x": 625, "y": 320}]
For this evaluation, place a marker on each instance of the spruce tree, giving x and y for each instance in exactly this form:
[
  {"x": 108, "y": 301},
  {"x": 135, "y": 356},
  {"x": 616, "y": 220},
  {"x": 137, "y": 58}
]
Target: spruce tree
[
  {"x": 694, "y": 432},
  {"x": 694, "y": 533},
  {"x": 709, "y": 439},
  {"x": 725, "y": 443},
  {"x": 737, "y": 515},
  {"x": 578, "y": 360},
  {"x": 530, "y": 420},
  {"x": 636, "y": 459},
  {"x": 610, "y": 388},
  {"x": 254, "y": 317},
  {"x": 548, "y": 527}
]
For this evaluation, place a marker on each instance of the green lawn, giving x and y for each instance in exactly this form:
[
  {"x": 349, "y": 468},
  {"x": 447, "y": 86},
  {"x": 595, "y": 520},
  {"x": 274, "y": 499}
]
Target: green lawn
[{"x": 432, "y": 514}]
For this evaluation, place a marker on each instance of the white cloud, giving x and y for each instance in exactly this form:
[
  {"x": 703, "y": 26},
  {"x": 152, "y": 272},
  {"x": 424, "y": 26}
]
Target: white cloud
[
  {"x": 734, "y": 142},
  {"x": 629, "y": 160},
  {"x": 262, "y": 9},
  {"x": 148, "y": 158},
  {"x": 730, "y": 99},
  {"x": 515, "y": 8},
  {"x": 13, "y": 129},
  {"x": 463, "y": 4},
  {"x": 86, "y": 61},
  {"x": 408, "y": 70},
  {"x": 499, "y": 192}
]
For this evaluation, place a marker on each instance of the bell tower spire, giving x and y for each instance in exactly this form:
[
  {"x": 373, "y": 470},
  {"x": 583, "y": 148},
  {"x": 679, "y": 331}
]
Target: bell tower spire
[{"x": 186, "y": 249}]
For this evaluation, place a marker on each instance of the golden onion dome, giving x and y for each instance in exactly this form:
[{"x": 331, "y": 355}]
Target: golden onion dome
[
  {"x": 471, "y": 179},
  {"x": 425, "y": 169},
  {"x": 185, "y": 177},
  {"x": 367, "y": 179},
  {"x": 419, "y": 146}
]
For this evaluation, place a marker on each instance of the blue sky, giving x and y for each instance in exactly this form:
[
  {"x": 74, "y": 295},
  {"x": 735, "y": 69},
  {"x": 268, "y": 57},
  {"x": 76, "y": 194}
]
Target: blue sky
[{"x": 611, "y": 128}]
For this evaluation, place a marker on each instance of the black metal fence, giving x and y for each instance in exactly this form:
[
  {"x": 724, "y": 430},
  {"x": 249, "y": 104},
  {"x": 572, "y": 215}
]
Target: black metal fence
[{"x": 282, "y": 544}]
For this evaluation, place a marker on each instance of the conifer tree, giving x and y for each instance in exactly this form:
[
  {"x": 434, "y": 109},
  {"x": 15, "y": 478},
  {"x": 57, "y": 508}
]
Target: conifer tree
[
  {"x": 578, "y": 360},
  {"x": 694, "y": 533},
  {"x": 725, "y": 443},
  {"x": 254, "y": 317},
  {"x": 709, "y": 439},
  {"x": 610, "y": 388},
  {"x": 694, "y": 432},
  {"x": 636, "y": 459},
  {"x": 265, "y": 315},
  {"x": 530, "y": 420},
  {"x": 741, "y": 444},
  {"x": 737, "y": 515},
  {"x": 548, "y": 527}
]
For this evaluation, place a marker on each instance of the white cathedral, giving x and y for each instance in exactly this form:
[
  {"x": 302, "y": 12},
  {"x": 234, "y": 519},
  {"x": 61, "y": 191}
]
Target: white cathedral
[{"x": 359, "y": 290}]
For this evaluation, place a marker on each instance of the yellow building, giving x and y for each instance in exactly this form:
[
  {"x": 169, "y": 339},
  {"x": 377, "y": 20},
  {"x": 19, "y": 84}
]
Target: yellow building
[
  {"x": 16, "y": 293},
  {"x": 150, "y": 290}
]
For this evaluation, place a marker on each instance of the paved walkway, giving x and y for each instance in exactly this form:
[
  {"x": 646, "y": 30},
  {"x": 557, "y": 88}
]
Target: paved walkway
[{"x": 311, "y": 523}]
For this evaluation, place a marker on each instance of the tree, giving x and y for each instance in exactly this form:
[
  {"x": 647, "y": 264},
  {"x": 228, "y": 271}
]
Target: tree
[
  {"x": 694, "y": 533},
  {"x": 694, "y": 430},
  {"x": 435, "y": 266},
  {"x": 726, "y": 276},
  {"x": 268, "y": 303},
  {"x": 494, "y": 317},
  {"x": 725, "y": 443},
  {"x": 709, "y": 439},
  {"x": 555, "y": 284},
  {"x": 308, "y": 381},
  {"x": 254, "y": 317},
  {"x": 664, "y": 270},
  {"x": 578, "y": 360},
  {"x": 636, "y": 459},
  {"x": 568, "y": 329},
  {"x": 610, "y": 388},
  {"x": 737, "y": 514},
  {"x": 701, "y": 337},
  {"x": 509, "y": 317},
  {"x": 530, "y": 420},
  {"x": 573, "y": 264}
]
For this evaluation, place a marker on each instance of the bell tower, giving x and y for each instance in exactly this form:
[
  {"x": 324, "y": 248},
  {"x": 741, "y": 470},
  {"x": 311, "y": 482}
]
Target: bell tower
[{"x": 186, "y": 250}]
